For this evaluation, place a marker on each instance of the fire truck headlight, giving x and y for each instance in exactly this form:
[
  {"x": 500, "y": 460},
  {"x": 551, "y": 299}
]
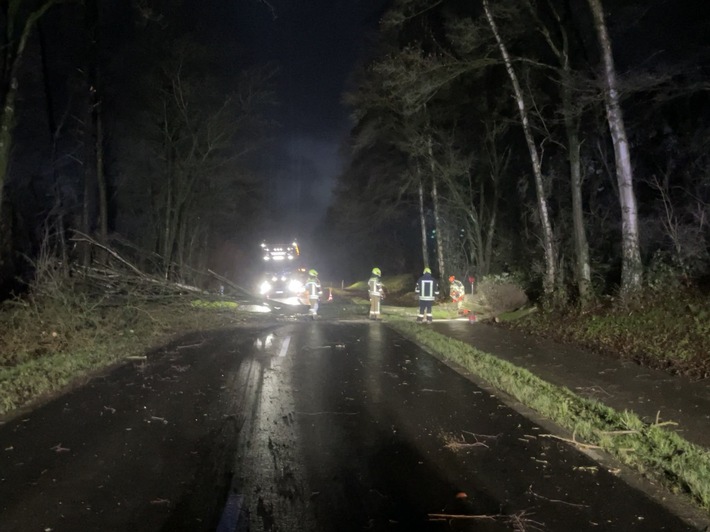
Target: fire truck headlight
[
  {"x": 264, "y": 288},
  {"x": 295, "y": 286}
]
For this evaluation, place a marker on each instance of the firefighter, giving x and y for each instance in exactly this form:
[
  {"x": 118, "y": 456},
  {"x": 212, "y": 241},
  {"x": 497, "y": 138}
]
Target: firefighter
[
  {"x": 427, "y": 288},
  {"x": 457, "y": 292},
  {"x": 313, "y": 291},
  {"x": 376, "y": 290}
]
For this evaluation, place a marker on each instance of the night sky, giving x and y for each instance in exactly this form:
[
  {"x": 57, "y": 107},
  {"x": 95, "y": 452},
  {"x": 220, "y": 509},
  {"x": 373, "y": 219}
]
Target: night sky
[{"x": 314, "y": 45}]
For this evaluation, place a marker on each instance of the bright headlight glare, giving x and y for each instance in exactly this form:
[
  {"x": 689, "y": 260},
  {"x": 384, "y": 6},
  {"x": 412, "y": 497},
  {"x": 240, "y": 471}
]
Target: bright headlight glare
[
  {"x": 295, "y": 285},
  {"x": 264, "y": 287}
]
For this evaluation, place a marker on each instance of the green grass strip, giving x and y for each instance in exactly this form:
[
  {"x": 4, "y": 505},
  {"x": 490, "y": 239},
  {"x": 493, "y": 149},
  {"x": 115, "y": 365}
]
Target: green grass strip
[
  {"x": 200, "y": 303},
  {"x": 654, "y": 451},
  {"x": 22, "y": 383}
]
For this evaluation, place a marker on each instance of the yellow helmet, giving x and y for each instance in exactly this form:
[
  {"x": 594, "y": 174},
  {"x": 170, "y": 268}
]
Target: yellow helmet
[
  {"x": 427, "y": 270},
  {"x": 313, "y": 273},
  {"x": 377, "y": 271}
]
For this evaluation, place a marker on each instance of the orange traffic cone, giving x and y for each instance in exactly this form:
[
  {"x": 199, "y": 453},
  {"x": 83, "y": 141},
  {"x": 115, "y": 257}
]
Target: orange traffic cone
[{"x": 330, "y": 294}]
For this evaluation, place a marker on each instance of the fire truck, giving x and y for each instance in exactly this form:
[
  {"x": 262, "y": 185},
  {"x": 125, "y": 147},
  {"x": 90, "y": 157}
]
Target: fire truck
[{"x": 283, "y": 276}]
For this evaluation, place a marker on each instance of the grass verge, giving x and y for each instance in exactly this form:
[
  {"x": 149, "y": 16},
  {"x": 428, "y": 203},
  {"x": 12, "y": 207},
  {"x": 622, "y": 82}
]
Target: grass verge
[
  {"x": 668, "y": 331},
  {"x": 651, "y": 449},
  {"x": 42, "y": 355}
]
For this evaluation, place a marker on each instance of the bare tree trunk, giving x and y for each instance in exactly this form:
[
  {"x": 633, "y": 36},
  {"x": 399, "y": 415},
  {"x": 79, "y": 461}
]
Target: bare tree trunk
[
  {"x": 170, "y": 192},
  {"x": 478, "y": 240},
  {"x": 56, "y": 214},
  {"x": 437, "y": 226},
  {"x": 437, "y": 217},
  {"x": 182, "y": 248},
  {"x": 14, "y": 48},
  {"x": 422, "y": 219},
  {"x": 484, "y": 267},
  {"x": 91, "y": 166},
  {"x": 94, "y": 19},
  {"x": 545, "y": 223},
  {"x": 85, "y": 247},
  {"x": 101, "y": 178},
  {"x": 581, "y": 245},
  {"x": 632, "y": 268},
  {"x": 167, "y": 226},
  {"x": 498, "y": 165},
  {"x": 583, "y": 276}
]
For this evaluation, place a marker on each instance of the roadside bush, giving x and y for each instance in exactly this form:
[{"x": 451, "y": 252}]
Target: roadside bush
[
  {"x": 501, "y": 293},
  {"x": 662, "y": 276}
]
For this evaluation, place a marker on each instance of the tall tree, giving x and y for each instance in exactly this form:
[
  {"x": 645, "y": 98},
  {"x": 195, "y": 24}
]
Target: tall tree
[
  {"x": 200, "y": 132},
  {"x": 96, "y": 124},
  {"x": 570, "y": 115},
  {"x": 632, "y": 268},
  {"x": 19, "y": 19},
  {"x": 550, "y": 276},
  {"x": 422, "y": 216}
]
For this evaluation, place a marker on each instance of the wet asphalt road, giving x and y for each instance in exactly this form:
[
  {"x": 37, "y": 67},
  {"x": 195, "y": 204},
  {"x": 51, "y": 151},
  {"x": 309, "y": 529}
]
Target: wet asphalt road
[{"x": 314, "y": 426}]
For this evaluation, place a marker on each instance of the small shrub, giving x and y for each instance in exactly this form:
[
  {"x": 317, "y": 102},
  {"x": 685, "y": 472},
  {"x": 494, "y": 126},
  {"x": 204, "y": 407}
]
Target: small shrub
[{"x": 502, "y": 293}]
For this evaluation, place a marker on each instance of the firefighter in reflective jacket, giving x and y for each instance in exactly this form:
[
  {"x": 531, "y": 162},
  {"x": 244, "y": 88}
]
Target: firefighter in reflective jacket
[
  {"x": 457, "y": 292},
  {"x": 427, "y": 289},
  {"x": 313, "y": 291},
  {"x": 376, "y": 291}
]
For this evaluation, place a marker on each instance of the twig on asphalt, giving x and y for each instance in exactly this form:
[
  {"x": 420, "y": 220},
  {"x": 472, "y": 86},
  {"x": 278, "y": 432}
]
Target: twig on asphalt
[
  {"x": 455, "y": 443},
  {"x": 558, "y": 501},
  {"x": 460, "y": 516},
  {"x": 323, "y": 413},
  {"x": 519, "y": 521},
  {"x": 573, "y": 441},
  {"x": 190, "y": 345},
  {"x": 484, "y": 436},
  {"x": 463, "y": 445}
]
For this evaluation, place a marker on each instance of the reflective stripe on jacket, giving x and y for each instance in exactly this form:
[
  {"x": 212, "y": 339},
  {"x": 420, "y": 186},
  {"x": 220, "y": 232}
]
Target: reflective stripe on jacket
[
  {"x": 313, "y": 288},
  {"x": 374, "y": 286},
  {"x": 427, "y": 288}
]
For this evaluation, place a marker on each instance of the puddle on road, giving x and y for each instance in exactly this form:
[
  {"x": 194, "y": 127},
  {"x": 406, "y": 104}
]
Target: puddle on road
[
  {"x": 264, "y": 343},
  {"x": 259, "y": 309},
  {"x": 270, "y": 345}
]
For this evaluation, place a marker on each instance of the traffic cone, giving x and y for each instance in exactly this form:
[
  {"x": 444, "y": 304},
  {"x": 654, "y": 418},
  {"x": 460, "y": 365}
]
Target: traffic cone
[{"x": 330, "y": 294}]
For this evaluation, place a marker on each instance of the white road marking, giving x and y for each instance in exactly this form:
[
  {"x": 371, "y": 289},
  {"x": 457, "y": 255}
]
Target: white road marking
[{"x": 284, "y": 346}]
